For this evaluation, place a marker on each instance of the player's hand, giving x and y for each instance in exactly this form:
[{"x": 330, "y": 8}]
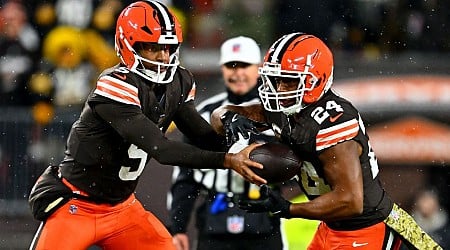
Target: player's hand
[
  {"x": 270, "y": 201},
  {"x": 181, "y": 241},
  {"x": 235, "y": 124},
  {"x": 241, "y": 163}
]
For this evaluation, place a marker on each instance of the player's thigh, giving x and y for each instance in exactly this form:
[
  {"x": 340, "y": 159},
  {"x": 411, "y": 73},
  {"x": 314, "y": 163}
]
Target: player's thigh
[
  {"x": 67, "y": 228},
  {"x": 140, "y": 230},
  {"x": 370, "y": 238},
  {"x": 319, "y": 238}
]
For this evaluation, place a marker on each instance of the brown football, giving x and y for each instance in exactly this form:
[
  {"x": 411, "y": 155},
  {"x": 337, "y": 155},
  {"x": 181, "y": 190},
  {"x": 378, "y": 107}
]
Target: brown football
[{"x": 279, "y": 161}]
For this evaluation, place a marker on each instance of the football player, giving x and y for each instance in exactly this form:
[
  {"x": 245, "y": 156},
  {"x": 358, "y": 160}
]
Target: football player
[
  {"x": 89, "y": 198},
  {"x": 340, "y": 172}
]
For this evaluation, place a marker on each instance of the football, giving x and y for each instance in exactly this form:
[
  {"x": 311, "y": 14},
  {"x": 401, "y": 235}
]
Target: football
[{"x": 279, "y": 161}]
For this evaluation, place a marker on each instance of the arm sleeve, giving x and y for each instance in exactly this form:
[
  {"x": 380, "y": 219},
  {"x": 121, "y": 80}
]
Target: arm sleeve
[
  {"x": 199, "y": 132},
  {"x": 137, "y": 129},
  {"x": 184, "y": 192}
]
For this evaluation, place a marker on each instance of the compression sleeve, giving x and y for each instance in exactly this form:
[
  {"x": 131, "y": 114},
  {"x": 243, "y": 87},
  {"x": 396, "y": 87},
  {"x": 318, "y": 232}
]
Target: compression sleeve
[
  {"x": 137, "y": 129},
  {"x": 198, "y": 130}
]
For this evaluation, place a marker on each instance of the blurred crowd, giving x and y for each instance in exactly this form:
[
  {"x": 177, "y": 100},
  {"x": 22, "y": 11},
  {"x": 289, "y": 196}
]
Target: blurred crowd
[{"x": 52, "y": 50}]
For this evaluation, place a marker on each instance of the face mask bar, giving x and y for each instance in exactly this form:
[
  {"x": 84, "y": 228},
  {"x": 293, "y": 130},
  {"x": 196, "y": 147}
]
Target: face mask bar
[
  {"x": 159, "y": 76},
  {"x": 272, "y": 99}
]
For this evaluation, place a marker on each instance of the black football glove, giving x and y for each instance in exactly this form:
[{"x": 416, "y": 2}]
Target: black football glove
[
  {"x": 270, "y": 201},
  {"x": 235, "y": 124}
]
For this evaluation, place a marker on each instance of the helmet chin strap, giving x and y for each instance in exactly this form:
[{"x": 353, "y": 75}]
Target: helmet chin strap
[
  {"x": 294, "y": 108},
  {"x": 291, "y": 110},
  {"x": 155, "y": 75}
]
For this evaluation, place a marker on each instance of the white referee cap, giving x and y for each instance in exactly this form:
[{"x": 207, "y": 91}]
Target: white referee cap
[{"x": 240, "y": 49}]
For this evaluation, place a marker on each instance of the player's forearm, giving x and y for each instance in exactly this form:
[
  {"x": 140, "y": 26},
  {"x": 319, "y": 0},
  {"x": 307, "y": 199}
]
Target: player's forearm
[
  {"x": 344, "y": 179},
  {"x": 328, "y": 207},
  {"x": 179, "y": 153},
  {"x": 253, "y": 112},
  {"x": 198, "y": 130}
]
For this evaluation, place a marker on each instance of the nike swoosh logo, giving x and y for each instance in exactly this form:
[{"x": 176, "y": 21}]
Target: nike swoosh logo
[
  {"x": 334, "y": 118},
  {"x": 122, "y": 77},
  {"x": 355, "y": 244},
  {"x": 234, "y": 118}
]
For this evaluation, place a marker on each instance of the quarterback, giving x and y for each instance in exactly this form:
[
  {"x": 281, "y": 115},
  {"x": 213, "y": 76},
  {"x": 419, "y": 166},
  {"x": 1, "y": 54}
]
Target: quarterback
[{"x": 89, "y": 198}]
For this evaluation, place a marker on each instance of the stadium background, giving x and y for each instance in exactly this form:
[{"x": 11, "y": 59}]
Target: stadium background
[{"x": 393, "y": 64}]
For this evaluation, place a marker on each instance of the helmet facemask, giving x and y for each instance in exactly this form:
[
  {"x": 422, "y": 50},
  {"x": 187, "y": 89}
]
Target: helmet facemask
[
  {"x": 159, "y": 75},
  {"x": 298, "y": 56},
  {"x": 274, "y": 100}
]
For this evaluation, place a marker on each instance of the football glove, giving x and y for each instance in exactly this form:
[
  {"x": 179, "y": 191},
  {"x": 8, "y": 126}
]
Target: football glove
[
  {"x": 235, "y": 124},
  {"x": 270, "y": 201}
]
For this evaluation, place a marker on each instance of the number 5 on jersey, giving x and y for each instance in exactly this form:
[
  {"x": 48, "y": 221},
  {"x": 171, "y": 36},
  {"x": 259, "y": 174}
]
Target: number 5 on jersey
[{"x": 134, "y": 153}]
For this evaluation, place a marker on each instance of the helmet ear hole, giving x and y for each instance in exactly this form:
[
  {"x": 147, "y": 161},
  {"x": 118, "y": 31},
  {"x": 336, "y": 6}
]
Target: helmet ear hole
[{"x": 316, "y": 82}]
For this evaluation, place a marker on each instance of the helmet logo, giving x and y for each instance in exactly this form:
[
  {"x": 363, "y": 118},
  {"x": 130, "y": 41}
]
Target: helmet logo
[{"x": 147, "y": 29}]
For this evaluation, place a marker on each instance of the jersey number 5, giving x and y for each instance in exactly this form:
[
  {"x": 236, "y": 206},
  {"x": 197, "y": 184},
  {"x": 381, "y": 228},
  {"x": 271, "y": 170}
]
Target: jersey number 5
[{"x": 134, "y": 153}]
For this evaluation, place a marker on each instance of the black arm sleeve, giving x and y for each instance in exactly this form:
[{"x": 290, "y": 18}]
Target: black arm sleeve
[
  {"x": 136, "y": 128},
  {"x": 185, "y": 191},
  {"x": 198, "y": 130}
]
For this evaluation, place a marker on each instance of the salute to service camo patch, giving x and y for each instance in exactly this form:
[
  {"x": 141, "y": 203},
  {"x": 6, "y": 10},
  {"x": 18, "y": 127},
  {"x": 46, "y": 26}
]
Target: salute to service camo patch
[{"x": 404, "y": 224}]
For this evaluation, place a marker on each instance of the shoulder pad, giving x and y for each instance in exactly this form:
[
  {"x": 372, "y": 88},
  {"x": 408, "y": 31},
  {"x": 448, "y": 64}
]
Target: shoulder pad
[
  {"x": 117, "y": 85},
  {"x": 337, "y": 120}
]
